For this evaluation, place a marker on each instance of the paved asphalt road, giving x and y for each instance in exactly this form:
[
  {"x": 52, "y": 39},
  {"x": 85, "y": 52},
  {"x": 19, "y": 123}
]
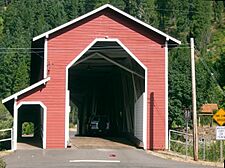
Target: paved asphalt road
[{"x": 85, "y": 158}]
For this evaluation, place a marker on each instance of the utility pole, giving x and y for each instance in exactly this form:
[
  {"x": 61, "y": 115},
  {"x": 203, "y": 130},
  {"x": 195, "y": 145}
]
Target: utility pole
[{"x": 195, "y": 129}]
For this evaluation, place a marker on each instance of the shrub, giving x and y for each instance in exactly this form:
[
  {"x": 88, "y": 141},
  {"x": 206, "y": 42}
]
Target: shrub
[
  {"x": 28, "y": 128},
  {"x": 2, "y": 163}
]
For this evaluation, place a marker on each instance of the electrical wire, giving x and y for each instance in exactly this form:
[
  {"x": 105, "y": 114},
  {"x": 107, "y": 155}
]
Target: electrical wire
[
  {"x": 212, "y": 75},
  {"x": 107, "y": 47},
  {"x": 64, "y": 50}
]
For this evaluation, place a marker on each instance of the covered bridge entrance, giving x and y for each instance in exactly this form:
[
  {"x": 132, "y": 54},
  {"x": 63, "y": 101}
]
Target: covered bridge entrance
[
  {"x": 34, "y": 115},
  {"x": 107, "y": 84},
  {"x": 111, "y": 66}
]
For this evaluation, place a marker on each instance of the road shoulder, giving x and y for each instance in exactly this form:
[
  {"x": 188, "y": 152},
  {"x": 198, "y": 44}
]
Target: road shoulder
[{"x": 182, "y": 158}]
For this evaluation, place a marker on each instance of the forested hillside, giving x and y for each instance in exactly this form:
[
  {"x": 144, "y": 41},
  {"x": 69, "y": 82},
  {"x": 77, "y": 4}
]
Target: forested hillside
[{"x": 20, "y": 20}]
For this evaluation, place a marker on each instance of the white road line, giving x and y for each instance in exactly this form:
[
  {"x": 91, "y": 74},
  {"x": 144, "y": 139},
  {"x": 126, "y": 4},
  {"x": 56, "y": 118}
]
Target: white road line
[{"x": 94, "y": 161}]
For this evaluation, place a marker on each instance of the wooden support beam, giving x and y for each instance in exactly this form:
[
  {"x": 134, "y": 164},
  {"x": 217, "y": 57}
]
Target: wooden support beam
[
  {"x": 119, "y": 65},
  {"x": 86, "y": 58}
]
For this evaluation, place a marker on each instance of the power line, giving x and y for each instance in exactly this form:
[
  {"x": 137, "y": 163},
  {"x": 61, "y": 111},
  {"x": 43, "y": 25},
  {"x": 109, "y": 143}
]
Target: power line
[
  {"x": 212, "y": 75},
  {"x": 61, "y": 51},
  {"x": 186, "y": 45},
  {"x": 97, "y": 48}
]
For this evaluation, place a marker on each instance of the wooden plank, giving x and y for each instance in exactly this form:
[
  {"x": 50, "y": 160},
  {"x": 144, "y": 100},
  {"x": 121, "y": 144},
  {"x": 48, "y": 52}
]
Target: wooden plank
[{"x": 8, "y": 139}]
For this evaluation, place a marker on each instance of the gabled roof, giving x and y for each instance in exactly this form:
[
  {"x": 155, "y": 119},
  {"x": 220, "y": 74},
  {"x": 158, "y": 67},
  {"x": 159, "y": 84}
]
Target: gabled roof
[
  {"x": 209, "y": 108},
  {"x": 100, "y": 9},
  {"x": 26, "y": 90}
]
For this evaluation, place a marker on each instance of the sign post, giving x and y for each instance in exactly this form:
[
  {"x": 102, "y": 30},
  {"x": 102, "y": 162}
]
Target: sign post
[
  {"x": 220, "y": 135},
  {"x": 219, "y": 117}
]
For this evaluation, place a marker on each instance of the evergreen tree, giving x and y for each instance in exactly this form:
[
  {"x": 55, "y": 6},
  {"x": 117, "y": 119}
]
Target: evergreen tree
[
  {"x": 179, "y": 85},
  {"x": 21, "y": 20},
  {"x": 89, "y": 5},
  {"x": 147, "y": 12},
  {"x": 54, "y": 13},
  {"x": 101, "y": 2},
  {"x": 131, "y": 7},
  {"x": 200, "y": 16},
  {"x": 118, "y": 3},
  {"x": 218, "y": 10},
  {"x": 71, "y": 8}
]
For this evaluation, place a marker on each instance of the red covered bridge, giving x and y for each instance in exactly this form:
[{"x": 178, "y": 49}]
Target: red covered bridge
[{"x": 105, "y": 62}]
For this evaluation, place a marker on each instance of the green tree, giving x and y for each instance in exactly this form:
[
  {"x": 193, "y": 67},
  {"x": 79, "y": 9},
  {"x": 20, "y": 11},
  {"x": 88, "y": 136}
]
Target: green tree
[
  {"x": 200, "y": 17},
  {"x": 218, "y": 11},
  {"x": 54, "y": 12},
  {"x": 147, "y": 12},
  {"x": 118, "y": 3},
  {"x": 89, "y": 5},
  {"x": 6, "y": 118},
  {"x": 131, "y": 7},
  {"x": 21, "y": 20},
  {"x": 1, "y": 28},
  {"x": 179, "y": 85},
  {"x": 28, "y": 128},
  {"x": 71, "y": 8}
]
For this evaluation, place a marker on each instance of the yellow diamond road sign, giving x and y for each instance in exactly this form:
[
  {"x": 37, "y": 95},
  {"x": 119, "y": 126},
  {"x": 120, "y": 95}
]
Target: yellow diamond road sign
[{"x": 219, "y": 117}]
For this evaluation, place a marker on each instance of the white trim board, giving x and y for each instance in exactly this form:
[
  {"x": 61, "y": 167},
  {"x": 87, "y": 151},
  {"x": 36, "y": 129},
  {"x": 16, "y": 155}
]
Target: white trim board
[
  {"x": 45, "y": 74},
  {"x": 25, "y": 90},
  {"x": 166, "y": 97},
  {"x": 15, "y": 121},
  {"x": 145, "y": 93},
  {"x": 100, "y": 9}
]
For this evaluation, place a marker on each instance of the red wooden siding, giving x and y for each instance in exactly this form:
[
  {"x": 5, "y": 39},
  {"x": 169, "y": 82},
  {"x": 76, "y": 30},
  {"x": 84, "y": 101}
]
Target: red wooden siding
[
  {"x": 50, "y": 96},
  {"x": 65, "y": 45}
]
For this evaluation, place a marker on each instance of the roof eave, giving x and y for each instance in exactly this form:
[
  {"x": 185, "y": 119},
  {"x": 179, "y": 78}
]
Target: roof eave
[{"x": 14, "y": 96}]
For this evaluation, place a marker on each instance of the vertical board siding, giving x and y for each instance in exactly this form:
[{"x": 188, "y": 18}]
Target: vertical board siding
[
  {"x": 138, "y": 118},
  {"x": 64, "y": 46},
  {"x": 50, "y": 96}
]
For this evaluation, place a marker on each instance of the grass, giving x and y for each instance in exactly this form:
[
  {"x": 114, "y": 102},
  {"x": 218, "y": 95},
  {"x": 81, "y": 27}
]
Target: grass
[{"x": 212, "y": 150}]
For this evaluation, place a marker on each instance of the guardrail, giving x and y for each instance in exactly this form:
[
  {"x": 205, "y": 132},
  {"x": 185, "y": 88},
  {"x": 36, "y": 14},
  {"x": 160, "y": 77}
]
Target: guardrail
[
  {"x": 183, "y": 136},
  {"x": 209, "y": 148},
  {"x": 181, "y": 140},
  {"x": 8, "y": 138}
]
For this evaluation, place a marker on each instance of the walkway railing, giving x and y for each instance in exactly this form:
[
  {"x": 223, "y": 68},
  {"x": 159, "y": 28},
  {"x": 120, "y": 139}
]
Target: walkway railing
[
  {"x": 6, "y": 135},
  {"x": 209, "y": 148},
  {"x": 179, "y": 142}
]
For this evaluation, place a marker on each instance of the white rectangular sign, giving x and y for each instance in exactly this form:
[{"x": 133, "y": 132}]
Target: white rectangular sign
[{"x": 220, "y": 133}]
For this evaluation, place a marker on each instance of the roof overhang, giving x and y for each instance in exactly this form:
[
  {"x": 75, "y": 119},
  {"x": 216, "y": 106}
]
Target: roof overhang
[
  {"x": 46, "y": 34},
  {"x": 14, "y": 96}
]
